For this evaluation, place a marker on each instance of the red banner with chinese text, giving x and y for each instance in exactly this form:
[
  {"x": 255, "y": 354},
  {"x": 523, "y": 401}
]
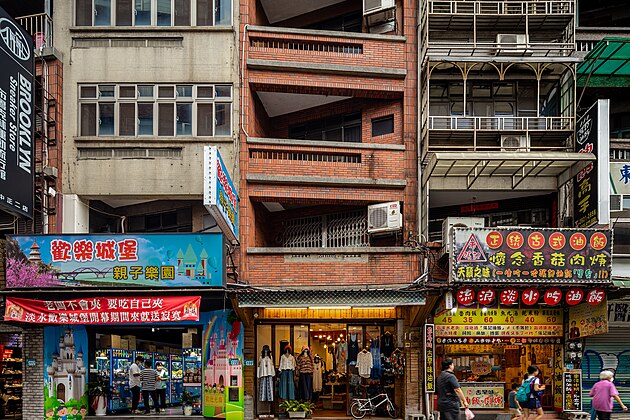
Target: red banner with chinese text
[{"x": 104, "y": 310}]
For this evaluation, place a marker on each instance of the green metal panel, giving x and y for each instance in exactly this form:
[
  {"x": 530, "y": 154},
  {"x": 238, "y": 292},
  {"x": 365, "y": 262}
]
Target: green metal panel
[{"x": 606, "y": 65}]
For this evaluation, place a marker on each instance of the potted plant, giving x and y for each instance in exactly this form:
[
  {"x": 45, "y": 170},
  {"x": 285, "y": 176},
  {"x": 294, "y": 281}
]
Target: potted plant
[
  {"x": 187, "y": 402},
  {"x": 99, "y": 392},
  {"x": 297, "y": 409}
]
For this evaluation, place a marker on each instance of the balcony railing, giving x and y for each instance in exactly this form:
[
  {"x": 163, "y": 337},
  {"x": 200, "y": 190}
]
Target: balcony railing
[
  {"x": 448, "y": 123},
  {"x": 466, "y": 7},
  {"x": 340, "y": 230},
  {"x": 493, "y": 48},
  {"x": 40, "y": 26}
]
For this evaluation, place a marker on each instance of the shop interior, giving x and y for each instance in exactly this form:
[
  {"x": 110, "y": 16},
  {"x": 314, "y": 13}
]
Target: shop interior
[
  {"x": 177, "y": 348},
  {"x": 11, "y": 378},
  {"x": 499, "y": 366},
  {"x": 350, "y": 361}
]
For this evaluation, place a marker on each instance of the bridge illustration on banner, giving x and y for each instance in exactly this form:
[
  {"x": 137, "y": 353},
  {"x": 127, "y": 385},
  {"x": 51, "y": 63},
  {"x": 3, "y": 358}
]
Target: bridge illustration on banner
[{"x": 72, "y": 275}]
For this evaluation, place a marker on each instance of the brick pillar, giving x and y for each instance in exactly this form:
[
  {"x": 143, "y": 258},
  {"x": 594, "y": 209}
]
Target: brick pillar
[
  {"x": 249, "y": 373},
  {"x": 33, "y": 378},
  {"x": 414, "y": 372}
]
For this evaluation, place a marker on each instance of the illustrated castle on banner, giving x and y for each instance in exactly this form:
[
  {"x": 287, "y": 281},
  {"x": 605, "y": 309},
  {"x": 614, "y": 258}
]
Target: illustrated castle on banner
[
  {"x": 190, "y": 266},
  {"x": 66, "y": 374},
  {"x": 223, "y": 364}
]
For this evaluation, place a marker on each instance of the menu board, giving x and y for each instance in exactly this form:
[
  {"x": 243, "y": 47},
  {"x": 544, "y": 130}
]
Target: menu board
[
  {"x": 429, "y": 357},
  {"x": 572, "y": 393},
  {"x": 484, "y": 394}
]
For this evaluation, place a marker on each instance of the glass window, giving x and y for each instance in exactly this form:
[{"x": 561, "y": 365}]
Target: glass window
[
  {"x": 84, "y": 13},
  {"x": 184, "y": 119},
  {"x": 626, "y": 202},
  {"x": 124, "y": 11},
  {"x": 127, "y": 119},
  {"x": 103, "y": 12},
  {"x": 164, "y": 12},
  {"x": 300, "y": 336},
  {"x": 127, "y": 91},
  {"x": 205, "y": 92},
  {"x": 88, "y": 92},
  {"x": 145, "y": 119},
  {"x": 166, "y": 92},
  {"x": 204, "y": 12},
  {"x": 382, "y": 126},
  {"x": 263, "y": 338},
  {"x": 205, "y": 119},
  {"x": 223, "y": 119},
  {"x": 145, "y": 91},
  {"x": 223, "y": 12},
  {"x": 166, "y": 119},
  {"x": 143, "y": 12},
  {"x": 184, "y": 91},
  {"x": 106, "y": 119},
  {"x": 106, "y": 91},
  {"x": 223, "y": 91},
  {"x": 182, "y": 12},
  {"x": 88, "y": 119},
  {"x": 283, "y": 339}
]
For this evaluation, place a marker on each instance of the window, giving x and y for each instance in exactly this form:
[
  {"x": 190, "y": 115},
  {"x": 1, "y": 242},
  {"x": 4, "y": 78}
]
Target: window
[
  {"x": 179, "y": 220},
  {"x": 346, "y": 128},
  {"x": 619, "y": 202},
  {"x": 153, "y": 12},
  {"x": 382, "y": 126},
  {"x": 620, "y": 154},
  {"x": 146, "y": 110}
]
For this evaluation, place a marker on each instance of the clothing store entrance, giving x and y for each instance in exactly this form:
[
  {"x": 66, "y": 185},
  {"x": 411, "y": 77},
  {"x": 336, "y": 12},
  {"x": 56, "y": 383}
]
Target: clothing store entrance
[{"x": 327, "y": 363}]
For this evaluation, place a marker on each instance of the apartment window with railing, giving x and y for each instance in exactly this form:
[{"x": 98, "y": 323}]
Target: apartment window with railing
[
  {"x": 346, "y": 128},
  {"x": 138, "y": 110},
  {"x": 339, "y": 230},
  {"x": 147, "y": 13},
  {"x": 620, "y": 154}
]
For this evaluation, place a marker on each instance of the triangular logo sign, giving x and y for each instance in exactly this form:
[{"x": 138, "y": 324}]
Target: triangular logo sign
[{"x": 472, "y": 251}]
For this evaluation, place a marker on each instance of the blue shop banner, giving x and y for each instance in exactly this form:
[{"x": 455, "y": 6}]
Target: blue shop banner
[{"x": 161, "y": 260}]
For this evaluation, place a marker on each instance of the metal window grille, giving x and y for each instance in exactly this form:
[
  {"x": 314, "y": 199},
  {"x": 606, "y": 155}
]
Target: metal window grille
[
  {"x": 126, "y": 42},
  {"x": 340, "y": 230},
  {"x": 304, "y": 156},
  {"x": 326, "y": 47},
  {"x": 128, "y": 153}
]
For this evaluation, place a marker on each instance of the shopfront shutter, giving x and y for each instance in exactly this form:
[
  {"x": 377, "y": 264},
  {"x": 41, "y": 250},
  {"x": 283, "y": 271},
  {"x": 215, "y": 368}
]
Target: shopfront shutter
[{"x": 607, "y": 351}]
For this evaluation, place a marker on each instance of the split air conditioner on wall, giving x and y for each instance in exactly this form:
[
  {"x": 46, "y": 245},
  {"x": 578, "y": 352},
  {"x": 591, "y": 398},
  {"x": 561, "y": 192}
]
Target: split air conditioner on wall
[
  {"x": 374, "y": 6},
  {"x": 513, "y": 44},
  {"x": 384, "y": 217},
  {"x": 512, "y": 143},
  {"x": 450, "y": 222},
  {"x": 378, "y": 13}
]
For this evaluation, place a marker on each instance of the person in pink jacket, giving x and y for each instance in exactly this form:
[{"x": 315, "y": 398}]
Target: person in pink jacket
[{"x": 603, "y": 393}]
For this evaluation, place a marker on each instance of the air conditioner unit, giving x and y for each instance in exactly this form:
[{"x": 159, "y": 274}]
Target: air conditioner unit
[
  {"x": 374, "y": 6},
  {"x": 384, "y": 217},
  {"x": 450, "y": 222},
  {"x": 615, "y": 202},
  {"x": 513, "y": 44},
  {"x": 512, "y": 143}
]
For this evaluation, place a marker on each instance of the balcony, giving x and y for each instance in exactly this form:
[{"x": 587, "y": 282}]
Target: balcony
[
  {"x": 328, "y": 52},
  {"x": 40, "y": 26},
  {"x": 498, "y": 124},
  {"x": 530, "y": 29}
]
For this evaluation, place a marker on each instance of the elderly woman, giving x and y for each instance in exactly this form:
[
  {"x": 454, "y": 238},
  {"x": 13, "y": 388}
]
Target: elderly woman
[{"x": 603, "y": 393}]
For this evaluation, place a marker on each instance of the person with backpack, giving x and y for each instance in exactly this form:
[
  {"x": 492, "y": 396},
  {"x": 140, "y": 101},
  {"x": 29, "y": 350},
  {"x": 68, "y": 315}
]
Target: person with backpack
[{"x": 530, "y": 392}]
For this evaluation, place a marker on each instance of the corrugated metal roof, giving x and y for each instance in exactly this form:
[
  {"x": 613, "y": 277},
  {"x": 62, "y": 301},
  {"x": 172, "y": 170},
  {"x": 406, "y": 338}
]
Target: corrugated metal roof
[
  {"x": 355, "y": 298},
  {"x": 606, "y": 65}
]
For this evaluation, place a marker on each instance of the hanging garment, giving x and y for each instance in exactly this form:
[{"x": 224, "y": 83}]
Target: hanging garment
[
  {"x": 266, "y": 388},
  {"x": 387, "y": 345},
  {"x": 305, "y": 386},
  {"x": 317, "y": 376},
  {"x": 364, "y": 363},
  {"x": 286, "y": 389},
  {"x": 375, "y": 350},
  {"x": 353, "y": 349},
  {"x": 342, "y": 357},
  {"x": 397, "y": 360}
]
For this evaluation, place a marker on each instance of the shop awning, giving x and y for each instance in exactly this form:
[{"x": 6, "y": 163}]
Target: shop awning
[
  {"x": 359, "y": 298},
  {"x": 606, "y": 65},
  {"x": 621, "y": 283},
  {"x": 502, "y": 170}
]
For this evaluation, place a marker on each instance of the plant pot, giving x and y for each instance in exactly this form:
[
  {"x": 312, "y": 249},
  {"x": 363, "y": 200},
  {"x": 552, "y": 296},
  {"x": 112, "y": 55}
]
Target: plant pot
[
  {"x": 100, "y": 405},
  {"x": 297, "y": 414},
  {"x": 188, "y": 410}
]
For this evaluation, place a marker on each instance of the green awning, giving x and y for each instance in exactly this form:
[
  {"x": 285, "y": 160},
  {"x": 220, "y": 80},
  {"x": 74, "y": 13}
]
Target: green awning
[
  {"x": 606, "y": 65},
  {"x": 621, "y": 283}
]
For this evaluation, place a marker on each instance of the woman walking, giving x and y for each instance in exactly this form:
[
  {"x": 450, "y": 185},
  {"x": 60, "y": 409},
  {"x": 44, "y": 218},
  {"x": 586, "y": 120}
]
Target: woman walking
[
  {"x": 603, "y": 393},
  {"x": 536, "y": 389}
]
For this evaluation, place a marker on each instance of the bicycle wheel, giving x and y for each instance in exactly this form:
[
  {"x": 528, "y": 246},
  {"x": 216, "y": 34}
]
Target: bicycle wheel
[
  {"x": 356, "y": 411},
  {"x": 391, "y": 411}
]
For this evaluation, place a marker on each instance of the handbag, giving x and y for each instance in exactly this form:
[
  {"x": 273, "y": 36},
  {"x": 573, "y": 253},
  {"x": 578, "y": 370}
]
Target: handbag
[{"x": 469, "y": 414}]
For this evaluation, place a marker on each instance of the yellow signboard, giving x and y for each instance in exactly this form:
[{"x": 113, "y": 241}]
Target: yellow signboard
[
  {"x": 586, "y": 320},
  {"x": 501, "y": 316}
]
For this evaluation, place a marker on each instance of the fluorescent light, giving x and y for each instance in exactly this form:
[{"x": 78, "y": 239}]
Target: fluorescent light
[{"x": 329, "y": 307}]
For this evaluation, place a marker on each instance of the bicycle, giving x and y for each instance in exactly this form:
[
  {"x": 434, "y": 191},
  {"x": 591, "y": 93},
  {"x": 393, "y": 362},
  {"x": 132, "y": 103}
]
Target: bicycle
[{"x": 361, "y": 406}]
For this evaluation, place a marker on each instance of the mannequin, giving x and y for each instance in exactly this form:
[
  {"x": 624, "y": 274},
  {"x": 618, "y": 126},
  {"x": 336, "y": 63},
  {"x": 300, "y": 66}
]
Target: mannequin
[
  {"x": 266, "y": 372},
  {"x": 318, "y": 363},
  {"x": 305, "y": 367},
  {"x": 286, "y": 389}
]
